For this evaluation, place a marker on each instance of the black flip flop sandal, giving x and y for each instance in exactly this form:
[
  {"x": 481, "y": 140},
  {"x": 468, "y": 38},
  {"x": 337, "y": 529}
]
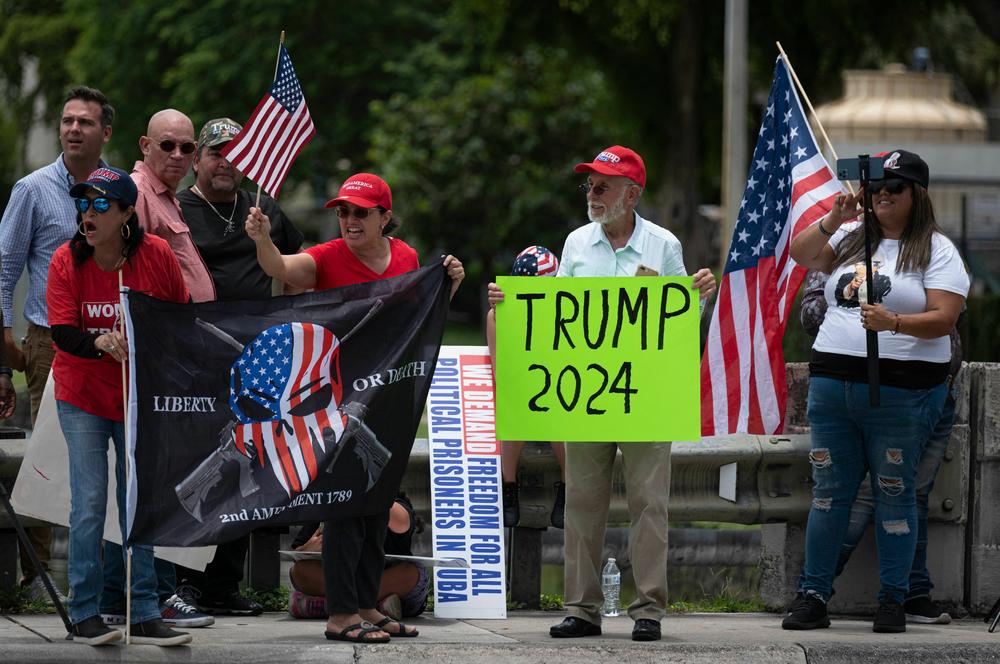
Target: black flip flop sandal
[
  {"x": 402, "y": 628},
  {"x": 364, "y": 626}
]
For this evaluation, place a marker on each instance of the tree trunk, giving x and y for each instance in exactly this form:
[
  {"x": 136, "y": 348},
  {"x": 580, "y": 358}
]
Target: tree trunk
[{"x": 677, "y": 198}]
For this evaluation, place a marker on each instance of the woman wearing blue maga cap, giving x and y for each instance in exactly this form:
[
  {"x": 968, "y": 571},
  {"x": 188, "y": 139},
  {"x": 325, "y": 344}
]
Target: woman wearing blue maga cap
[
  {"x": 924, "y": 283},
  {"x": 83, "y": 302},
  {"x": 535, "y": 261}
]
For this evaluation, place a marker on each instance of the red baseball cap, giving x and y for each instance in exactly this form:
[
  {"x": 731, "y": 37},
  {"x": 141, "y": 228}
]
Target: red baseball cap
[
  {"x": 616, "y": 160},
  {"x": 364, "y": 190}
]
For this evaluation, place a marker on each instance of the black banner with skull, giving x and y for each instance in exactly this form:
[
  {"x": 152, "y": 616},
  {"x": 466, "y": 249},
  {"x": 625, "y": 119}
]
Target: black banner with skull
[{"x": 281, "y": 411}]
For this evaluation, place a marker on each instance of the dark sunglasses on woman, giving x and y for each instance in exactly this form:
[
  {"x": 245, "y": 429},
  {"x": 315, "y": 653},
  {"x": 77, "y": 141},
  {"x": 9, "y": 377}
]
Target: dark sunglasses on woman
[
  {"x": 359, "y": 213},
  {"x": 101, "y": 205},
  {"x": 893, "y": 186}
]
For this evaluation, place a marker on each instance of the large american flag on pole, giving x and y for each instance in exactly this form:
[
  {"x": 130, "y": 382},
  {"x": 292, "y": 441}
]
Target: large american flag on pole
[
  {"x": 789, "y": 187},
  {"x": 276, "y": 132}
]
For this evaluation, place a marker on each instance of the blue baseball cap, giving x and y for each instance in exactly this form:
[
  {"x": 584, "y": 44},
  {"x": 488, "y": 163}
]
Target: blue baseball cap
[{"x": 110, "y": 183}]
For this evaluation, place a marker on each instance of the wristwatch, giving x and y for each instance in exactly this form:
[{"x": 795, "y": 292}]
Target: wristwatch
[{"x": 7, "y": 371}]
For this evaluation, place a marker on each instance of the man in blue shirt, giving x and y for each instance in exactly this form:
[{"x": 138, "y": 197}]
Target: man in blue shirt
[
  {"x": 39, "y": 218},
  {"x": 617, "y": 243}
]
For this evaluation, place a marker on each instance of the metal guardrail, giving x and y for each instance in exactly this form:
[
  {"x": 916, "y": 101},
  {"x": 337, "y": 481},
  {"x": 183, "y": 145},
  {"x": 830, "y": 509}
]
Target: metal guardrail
[{"x": 772, "y": 481}]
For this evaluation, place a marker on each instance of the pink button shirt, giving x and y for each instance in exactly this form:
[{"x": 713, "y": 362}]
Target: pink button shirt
[{"x": 160, "y": 214}]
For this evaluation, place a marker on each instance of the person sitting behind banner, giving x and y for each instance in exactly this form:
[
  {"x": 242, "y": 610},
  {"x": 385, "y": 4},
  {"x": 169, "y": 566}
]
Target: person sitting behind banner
[
  {"x": 83, "y": 301},
  {"x": 852, "y": 438},
  {"x": 353, "y": 561},
  {"x": 404, "y": 586},
  {"x": 534, "y": 261}
]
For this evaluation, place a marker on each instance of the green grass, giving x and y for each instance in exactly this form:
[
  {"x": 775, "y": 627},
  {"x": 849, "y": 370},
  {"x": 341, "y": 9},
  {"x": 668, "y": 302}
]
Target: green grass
[
  {"x": 717, "y": 604},
  {"x": 16, "y": 600},
  {"x": 272, "y": 599}
]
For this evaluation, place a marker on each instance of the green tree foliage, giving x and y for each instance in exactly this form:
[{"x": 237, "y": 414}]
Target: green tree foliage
[
  {"x": 480, "y": 159},
  {"x": 217, "y": 58},
  {"x": 476, "y": 110},
  {"x": 36, "y": 35}
]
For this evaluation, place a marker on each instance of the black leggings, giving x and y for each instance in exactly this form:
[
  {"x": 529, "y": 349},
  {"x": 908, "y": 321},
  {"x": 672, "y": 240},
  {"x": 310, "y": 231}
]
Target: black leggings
[{"x": 353, "y": 560}]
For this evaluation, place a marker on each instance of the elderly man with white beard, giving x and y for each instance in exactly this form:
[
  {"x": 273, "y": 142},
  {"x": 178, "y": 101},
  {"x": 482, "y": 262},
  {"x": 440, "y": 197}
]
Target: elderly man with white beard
[{"x": 617, "y": 243}]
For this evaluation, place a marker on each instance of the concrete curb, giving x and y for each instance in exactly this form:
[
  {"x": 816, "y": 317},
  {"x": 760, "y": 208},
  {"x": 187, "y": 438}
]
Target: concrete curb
[{"x": 523, "y": 639}]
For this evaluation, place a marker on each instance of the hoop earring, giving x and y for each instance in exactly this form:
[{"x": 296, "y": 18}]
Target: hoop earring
[
  {"x": 80, "y": 227},
  {"x": 126, "y": 231}
]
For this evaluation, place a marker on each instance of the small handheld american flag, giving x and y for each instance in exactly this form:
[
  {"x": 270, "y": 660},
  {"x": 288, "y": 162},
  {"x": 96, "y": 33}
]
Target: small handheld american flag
[
  {"x": 276, "y": 132},
  {"x": 789, "y": 187}
]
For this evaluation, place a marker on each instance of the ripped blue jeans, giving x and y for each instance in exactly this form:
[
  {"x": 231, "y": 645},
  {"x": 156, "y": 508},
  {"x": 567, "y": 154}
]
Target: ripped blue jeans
[{"x": 851, "y": 439}]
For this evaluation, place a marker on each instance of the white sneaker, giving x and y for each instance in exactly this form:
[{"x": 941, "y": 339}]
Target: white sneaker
[
  {"x": 178, "y": 613},
  {"x": 37, "y": 592}
]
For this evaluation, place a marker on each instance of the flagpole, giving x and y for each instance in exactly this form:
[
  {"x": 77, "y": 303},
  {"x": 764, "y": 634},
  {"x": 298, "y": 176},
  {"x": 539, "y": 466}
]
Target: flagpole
[
  {"x": 281, "y": 42},
  {"x": 128, "y": 478},
  {"x": 812, "y": 111}
]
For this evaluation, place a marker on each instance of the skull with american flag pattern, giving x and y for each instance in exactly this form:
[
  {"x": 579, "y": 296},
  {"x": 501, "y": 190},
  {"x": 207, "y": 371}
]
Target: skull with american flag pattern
[{"x": 285, "y": 390}]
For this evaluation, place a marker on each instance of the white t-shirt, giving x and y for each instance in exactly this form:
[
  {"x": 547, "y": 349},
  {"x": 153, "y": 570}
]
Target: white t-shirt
[{"x": 901, "y": 292}]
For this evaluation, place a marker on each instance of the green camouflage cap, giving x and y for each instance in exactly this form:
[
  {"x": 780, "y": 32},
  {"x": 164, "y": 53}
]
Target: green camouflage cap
[{"x": 218, "y": 131}]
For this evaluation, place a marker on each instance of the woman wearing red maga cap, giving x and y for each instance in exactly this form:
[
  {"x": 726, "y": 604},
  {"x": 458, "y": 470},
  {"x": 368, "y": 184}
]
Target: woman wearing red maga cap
[
  {"x": 364, "y": 252},
  {"x": 353, "y": 561},
  {"x": 82, "y": 296}
]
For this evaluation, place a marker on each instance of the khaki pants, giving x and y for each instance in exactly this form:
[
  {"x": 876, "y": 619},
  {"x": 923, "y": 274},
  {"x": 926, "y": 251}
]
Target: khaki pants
[
  {"x": 38, "y": 356},
  {"x": 589, "y": 469}
]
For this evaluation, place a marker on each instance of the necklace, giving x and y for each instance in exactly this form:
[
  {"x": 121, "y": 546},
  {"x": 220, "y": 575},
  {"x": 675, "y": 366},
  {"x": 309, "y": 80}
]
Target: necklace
[{"x": 229, "y": 222}]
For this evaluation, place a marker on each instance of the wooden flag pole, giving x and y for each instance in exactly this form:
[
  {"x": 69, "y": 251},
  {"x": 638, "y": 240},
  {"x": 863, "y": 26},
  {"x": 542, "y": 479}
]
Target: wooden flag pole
[
  {"x": 281, "y": 42},
  {"x": 871, "y": 337},
  {"x": 128, "y": 478},
  {"x": 812, "y": 111}
]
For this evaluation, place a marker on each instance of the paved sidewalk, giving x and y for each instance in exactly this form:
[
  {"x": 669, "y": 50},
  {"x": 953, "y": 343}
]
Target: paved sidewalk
[{"x": 523, "y": 639}]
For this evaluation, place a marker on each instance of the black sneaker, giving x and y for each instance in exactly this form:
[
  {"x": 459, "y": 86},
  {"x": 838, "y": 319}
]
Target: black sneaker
[
  {"x": 806, "y": 612},
  {"x": 925, "y": 611},
  {"x": 93, "y": 632},
  {"x": 229, "y": 604},
  {"x": 891, "y": 617},
  {"x": 558, "y": 517},
  {"x": 155, "y": 633},
  {"x": 511, "y": 510}
]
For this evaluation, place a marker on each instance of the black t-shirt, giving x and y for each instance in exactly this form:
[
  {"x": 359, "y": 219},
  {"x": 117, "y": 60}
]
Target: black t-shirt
[{"x": 229, "y": 253}]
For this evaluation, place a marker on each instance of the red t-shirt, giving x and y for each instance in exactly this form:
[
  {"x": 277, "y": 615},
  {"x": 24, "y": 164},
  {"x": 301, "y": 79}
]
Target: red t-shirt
[
  {"x": 86, "y": 297},
  {"x": 336, "y": 264}
]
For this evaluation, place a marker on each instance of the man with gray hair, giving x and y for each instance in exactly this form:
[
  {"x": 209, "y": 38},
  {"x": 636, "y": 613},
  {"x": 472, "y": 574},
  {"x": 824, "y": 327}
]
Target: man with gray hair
[{"x": 617, "y": 243}]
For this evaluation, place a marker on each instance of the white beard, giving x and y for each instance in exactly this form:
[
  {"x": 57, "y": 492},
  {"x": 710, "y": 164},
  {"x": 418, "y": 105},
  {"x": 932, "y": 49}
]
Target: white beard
[{"x": 612, "y": 212}]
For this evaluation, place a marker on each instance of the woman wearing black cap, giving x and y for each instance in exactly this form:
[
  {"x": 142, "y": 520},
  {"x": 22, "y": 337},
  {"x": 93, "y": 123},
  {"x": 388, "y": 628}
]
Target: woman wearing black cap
[
  {"x": 920, "y": 289},
  {"x": 83, "y": 295}
]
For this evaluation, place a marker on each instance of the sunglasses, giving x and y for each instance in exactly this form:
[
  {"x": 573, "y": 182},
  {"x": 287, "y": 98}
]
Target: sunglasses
[
  {"x": 598, "y": 189},
  {"x": 894, "y": 186},
  {"x": 358, "y": 213},
  {"x": 101, "y": 205},
  {"x": 186, "y": 148}
]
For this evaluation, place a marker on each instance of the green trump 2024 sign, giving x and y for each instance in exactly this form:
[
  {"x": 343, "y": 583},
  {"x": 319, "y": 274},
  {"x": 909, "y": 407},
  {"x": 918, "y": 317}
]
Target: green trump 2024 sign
[{"x": 598, "y": 359}]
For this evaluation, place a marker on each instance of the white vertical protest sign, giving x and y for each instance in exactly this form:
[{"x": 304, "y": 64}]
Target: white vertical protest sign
[{"x": 466, "y": 485}]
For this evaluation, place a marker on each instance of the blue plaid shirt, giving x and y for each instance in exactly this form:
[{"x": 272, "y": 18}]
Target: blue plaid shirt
[{"x": 39, "y": 218}]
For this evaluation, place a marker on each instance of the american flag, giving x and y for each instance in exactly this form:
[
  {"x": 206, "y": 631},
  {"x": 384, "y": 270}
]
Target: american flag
[
  {"x": 790, "y": 186},
  {"x": 285, "y": 389},
  {"x": 276, "y": 132}
]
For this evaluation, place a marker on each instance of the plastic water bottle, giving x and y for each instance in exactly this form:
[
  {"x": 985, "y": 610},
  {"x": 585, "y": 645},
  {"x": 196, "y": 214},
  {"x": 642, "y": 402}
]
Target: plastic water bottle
[{"x": 611, "y": 584}]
